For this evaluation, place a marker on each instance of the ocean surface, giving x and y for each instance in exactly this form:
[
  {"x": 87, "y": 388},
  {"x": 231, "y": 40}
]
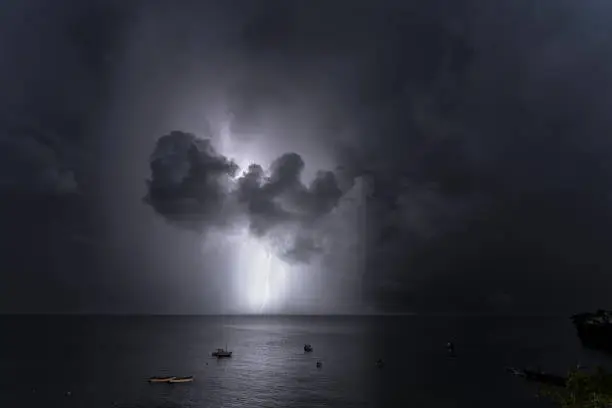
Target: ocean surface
[{"x": 91, "y": 362}]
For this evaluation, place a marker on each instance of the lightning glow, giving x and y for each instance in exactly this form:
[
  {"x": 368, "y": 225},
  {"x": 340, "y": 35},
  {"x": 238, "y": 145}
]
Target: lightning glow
[{"x": 260, "y": 276}]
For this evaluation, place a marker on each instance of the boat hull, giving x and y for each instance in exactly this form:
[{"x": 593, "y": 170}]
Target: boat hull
[
  {"x": 161, "y": 379},
  {"x": 221, "y": 353},
  {"x": 180, "y": 380}
]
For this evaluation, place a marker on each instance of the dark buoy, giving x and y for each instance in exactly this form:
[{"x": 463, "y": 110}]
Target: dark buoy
[
  {"x": 380, "y": 363},
  {"x": 319, "y": 364},
  {"x": 451, "y": 348}
]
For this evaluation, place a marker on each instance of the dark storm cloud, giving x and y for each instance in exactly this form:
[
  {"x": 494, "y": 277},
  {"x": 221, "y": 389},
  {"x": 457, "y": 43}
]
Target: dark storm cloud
[
  {"x": 35, "y": 160},
  {"x": 54, "y": 75},
  {"x": 189, "y": 180},
  {"x": 480, "y": 127},
  {"x": 53, "y": 92},
  {"x": 192, "y": 186},
  {"x": 282, "y": 197},
  {"x": 515, "y": 147}
]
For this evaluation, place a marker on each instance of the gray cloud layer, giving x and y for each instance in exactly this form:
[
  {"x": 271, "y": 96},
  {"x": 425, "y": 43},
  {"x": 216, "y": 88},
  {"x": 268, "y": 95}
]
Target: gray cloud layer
[
  {"x": 481, "y": 127},
  {"x": 194, "y": 186}
]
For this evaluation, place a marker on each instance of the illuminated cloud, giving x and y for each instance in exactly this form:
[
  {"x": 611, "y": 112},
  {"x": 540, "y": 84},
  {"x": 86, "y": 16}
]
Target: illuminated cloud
[{"x": 195, "y": 187}]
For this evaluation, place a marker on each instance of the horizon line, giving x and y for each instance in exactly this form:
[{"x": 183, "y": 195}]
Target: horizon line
[{"x": 254, "y": 315}]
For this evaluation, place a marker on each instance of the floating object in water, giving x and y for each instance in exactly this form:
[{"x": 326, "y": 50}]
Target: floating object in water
[
  {"x": 176, "y": 380},
  {"x": 307, "y": 348},
  {"x": 319, "y": 364},
  {"x": 161, "y": 379},
  {"x": 450, "y": 346},
  {"x": 380, "y": 363},
  {"x": 220, "y": 353}
]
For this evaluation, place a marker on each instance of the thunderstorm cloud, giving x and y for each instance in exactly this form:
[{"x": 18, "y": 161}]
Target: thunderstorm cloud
[{"x": 195, "y": 187}]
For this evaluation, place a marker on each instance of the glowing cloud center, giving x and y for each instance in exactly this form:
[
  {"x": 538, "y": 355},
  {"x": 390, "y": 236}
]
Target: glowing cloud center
[{"x": 261, "y": 277}]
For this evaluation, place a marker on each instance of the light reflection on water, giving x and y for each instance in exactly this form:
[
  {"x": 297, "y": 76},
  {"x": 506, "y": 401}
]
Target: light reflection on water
[{"x": 105, "y": 362}]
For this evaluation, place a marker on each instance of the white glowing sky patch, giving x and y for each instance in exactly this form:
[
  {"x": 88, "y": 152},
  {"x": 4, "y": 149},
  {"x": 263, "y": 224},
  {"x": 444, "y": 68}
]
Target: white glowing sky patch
[
  {"x": 261, "y": 278},
  {"x": 262, "y": 282},
  {"x": 243, "y": 155}
]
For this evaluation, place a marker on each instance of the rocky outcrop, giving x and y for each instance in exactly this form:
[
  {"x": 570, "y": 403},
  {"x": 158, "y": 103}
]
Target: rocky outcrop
[{"x": 595, "y": 329}]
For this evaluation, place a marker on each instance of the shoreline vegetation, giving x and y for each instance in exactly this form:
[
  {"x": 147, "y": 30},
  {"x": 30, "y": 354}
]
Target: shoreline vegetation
[{"x": 582, "y": 389}]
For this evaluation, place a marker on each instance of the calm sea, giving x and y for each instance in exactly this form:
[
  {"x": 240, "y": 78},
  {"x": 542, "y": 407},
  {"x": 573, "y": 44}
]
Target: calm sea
[{"x": 90, "y": 362}]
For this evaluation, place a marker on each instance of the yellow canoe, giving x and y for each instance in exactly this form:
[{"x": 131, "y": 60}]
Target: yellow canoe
[
  {"x": 161, "y": 379},
  {"x": 181, "y": 380}
]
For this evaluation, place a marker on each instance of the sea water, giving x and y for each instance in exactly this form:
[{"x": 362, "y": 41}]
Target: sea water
[{"x": 90, "y": 362}]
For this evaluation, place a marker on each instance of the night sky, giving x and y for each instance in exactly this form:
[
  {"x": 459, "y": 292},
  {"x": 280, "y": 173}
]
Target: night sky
[{"x": 305, "y": 157}]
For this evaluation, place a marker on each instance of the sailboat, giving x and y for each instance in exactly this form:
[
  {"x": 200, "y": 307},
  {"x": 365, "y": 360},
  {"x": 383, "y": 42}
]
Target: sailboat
[{"x": 222, "y": 353}]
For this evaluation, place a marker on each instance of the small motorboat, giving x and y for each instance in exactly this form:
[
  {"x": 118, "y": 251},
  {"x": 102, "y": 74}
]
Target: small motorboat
[
  {"x": 161, "y": 379},
  {"x": 176, "y": 380},
  {"x": 221, "y": 353},
  {"x": 307, "y": 348}
]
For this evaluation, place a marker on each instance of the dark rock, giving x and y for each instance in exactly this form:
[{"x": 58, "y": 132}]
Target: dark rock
[{"x": 595, "y": 329}]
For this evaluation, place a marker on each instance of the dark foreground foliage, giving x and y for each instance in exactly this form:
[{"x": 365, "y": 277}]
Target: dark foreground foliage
[{"x": 582, "y": 390}]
